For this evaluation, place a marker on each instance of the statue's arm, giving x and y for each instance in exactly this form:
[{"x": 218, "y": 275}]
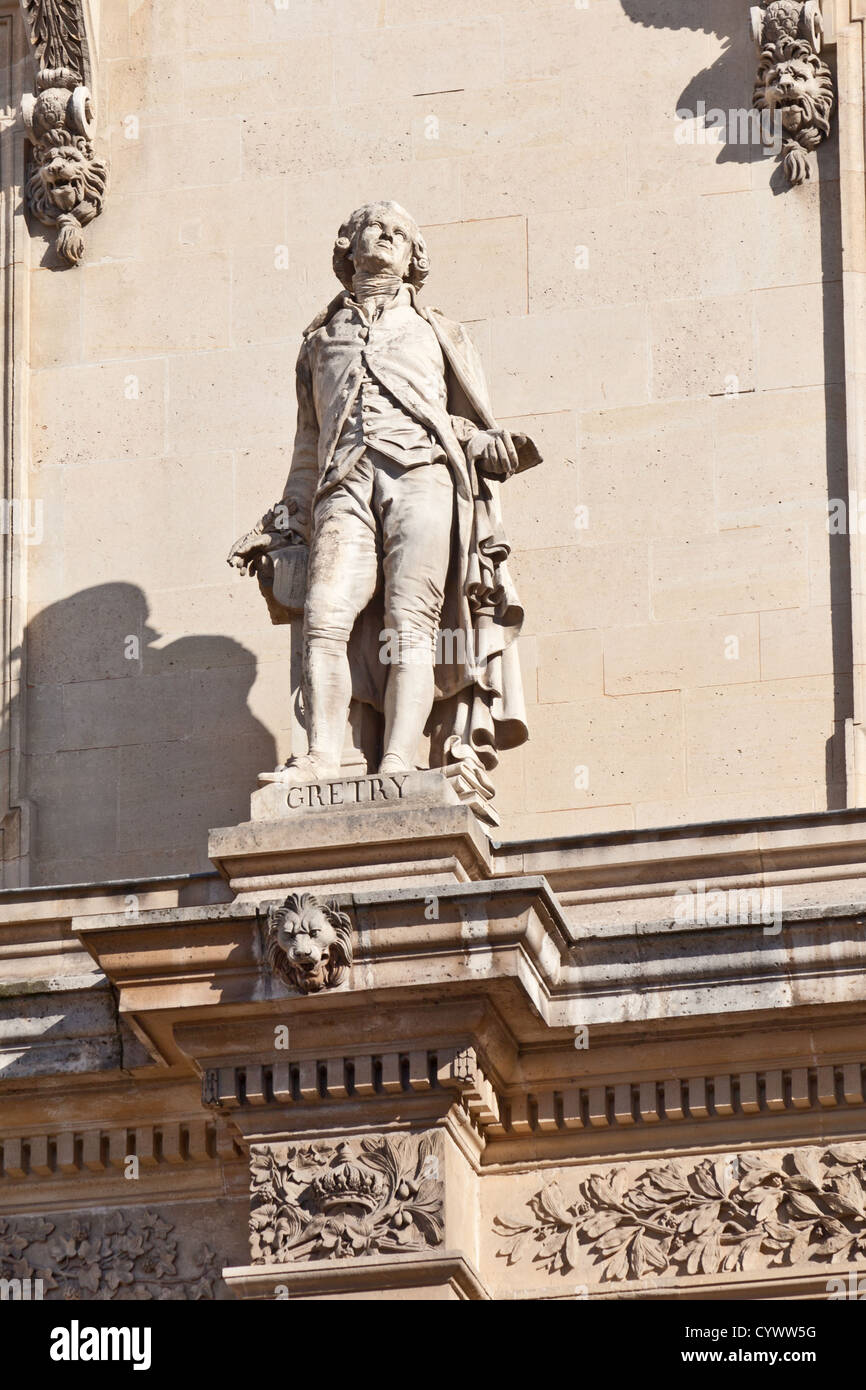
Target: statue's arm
[
  {"x": 289, "y": 519},
  {"x": 297, "y": 499},
  {"x": 491, "y": 449}
]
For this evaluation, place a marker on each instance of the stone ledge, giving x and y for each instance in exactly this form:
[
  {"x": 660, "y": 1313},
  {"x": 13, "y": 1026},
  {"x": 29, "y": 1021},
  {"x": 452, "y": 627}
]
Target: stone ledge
[
  {"x": 779, "y": 1285},
  {"x": 336, "y": 851},
  {"x": 482, "y": 935},
  {"x": 478, "y": 930},
  {"x": 805, "y": 847},
  {"x": 445, "y": 1277}
]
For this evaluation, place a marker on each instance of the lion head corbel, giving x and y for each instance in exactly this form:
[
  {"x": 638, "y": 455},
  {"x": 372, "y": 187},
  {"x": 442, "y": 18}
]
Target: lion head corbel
[
  {"x": 66, "y": 182},
  {"x": 793, "y": 86},
  {"x": 308, "y": 944}
]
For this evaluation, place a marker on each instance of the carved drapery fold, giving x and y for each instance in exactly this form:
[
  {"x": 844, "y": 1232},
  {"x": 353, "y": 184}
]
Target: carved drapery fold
[{"x": 65, "y": 185}]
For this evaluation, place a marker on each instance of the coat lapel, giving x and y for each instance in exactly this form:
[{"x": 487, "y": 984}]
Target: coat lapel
[{"x": 466, "y": 370}]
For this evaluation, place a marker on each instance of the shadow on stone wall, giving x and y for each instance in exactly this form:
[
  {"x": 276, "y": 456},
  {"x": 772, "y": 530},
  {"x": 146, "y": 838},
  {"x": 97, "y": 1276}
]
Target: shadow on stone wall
[
  {"x": 133, "y": 749},
  {"x": 728, "y": 83}
]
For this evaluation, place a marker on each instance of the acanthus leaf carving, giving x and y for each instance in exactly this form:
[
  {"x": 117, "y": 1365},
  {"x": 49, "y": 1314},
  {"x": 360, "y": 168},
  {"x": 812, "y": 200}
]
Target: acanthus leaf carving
[
  {"x": 58, "y": 35},
  {"x": 711, "y": 1217},
  {"x": 379, "y": 1195}
]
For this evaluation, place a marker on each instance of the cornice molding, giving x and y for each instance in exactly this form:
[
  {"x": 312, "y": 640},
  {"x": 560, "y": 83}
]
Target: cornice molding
[
  {"x": 265, "y": 1101},
  {"x": 735, "y": 1096}
]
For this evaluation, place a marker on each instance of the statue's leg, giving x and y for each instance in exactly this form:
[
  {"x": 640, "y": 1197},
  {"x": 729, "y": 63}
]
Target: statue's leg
[
  {"x": 417, "y": 516},
  {"x": 341, "y": 580}
]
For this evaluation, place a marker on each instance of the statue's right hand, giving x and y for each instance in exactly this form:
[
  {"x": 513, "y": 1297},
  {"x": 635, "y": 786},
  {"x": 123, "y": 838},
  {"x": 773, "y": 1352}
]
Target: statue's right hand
[{"x": 248, "y": 549}]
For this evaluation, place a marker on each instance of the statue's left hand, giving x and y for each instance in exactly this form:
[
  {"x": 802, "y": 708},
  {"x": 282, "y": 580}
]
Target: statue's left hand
[
  {"x": 249, "y": 549},
  {"x": 494, "y": 452}
]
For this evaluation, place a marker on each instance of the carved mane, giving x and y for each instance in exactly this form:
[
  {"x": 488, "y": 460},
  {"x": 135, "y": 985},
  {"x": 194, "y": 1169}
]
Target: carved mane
[
  {"x": 95, "y": 177},
  {"x": 304, "y": 906},
  {"x": 811, "y": 98}
]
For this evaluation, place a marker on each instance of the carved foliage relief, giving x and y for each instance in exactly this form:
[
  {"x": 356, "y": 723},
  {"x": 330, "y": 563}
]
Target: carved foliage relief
[
  {"x": 323, "y": 1201},
  {"x": 128, "y": 1254},
  {"x": 57, "y": 34},
  {"x": 748, "y": 1212}
]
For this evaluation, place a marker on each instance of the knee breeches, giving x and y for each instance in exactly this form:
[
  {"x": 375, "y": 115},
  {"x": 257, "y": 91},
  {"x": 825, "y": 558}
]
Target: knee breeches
[{"x": 404, "y": 516}]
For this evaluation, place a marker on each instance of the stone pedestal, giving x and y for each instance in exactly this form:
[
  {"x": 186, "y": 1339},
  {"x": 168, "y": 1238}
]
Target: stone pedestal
[
  {"x": 372, "y": 830},
  {"x": 361, "y": 791},
  {"x": 444, "y": 1083},
  {"x": 362, "y": 1098}
]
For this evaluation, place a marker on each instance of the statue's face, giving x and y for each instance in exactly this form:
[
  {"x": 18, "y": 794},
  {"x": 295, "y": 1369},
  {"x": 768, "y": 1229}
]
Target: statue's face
[{"x": 384, "y": 242}]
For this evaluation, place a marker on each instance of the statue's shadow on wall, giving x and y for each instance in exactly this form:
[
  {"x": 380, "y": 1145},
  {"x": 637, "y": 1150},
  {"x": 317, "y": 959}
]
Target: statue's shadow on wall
[
  {"x": 728, "y": 84},
  {"x": 135, "y": 746}
]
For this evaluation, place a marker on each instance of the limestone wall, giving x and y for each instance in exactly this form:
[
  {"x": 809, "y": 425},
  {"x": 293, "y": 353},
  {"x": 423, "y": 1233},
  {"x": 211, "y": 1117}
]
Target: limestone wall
[{"x": 664, "y": 316}]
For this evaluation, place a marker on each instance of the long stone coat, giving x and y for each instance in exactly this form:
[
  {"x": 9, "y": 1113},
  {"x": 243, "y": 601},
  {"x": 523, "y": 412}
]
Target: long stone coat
[{"x": 479, "y": 707}]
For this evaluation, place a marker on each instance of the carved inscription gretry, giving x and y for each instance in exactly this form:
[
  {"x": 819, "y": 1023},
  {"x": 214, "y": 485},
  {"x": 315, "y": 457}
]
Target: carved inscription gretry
[{"x": 349, "y": 791}]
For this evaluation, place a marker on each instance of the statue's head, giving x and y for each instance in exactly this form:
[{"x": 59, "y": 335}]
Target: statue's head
[{"x": 381, "y": 237}]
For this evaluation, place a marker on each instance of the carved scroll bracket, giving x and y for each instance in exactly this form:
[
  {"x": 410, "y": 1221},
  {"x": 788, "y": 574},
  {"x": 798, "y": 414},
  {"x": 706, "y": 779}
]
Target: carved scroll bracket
[
  {"x": 793, "y": 87},
  {"x": 65, "y": 185}
]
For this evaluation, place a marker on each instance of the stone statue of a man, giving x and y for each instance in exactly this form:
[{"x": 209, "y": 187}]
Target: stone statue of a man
[{"x": 393, "y": 486}]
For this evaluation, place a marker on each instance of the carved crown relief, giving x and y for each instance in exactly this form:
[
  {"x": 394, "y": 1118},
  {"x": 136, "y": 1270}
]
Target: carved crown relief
[
  {"x": 308, "y": 943},
  {"x": 375, "y": 1196},
  {"x": 747, "y": 1212},
  {"x": 66, "y": 181},
  {"x": 793, "y": 84}
]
